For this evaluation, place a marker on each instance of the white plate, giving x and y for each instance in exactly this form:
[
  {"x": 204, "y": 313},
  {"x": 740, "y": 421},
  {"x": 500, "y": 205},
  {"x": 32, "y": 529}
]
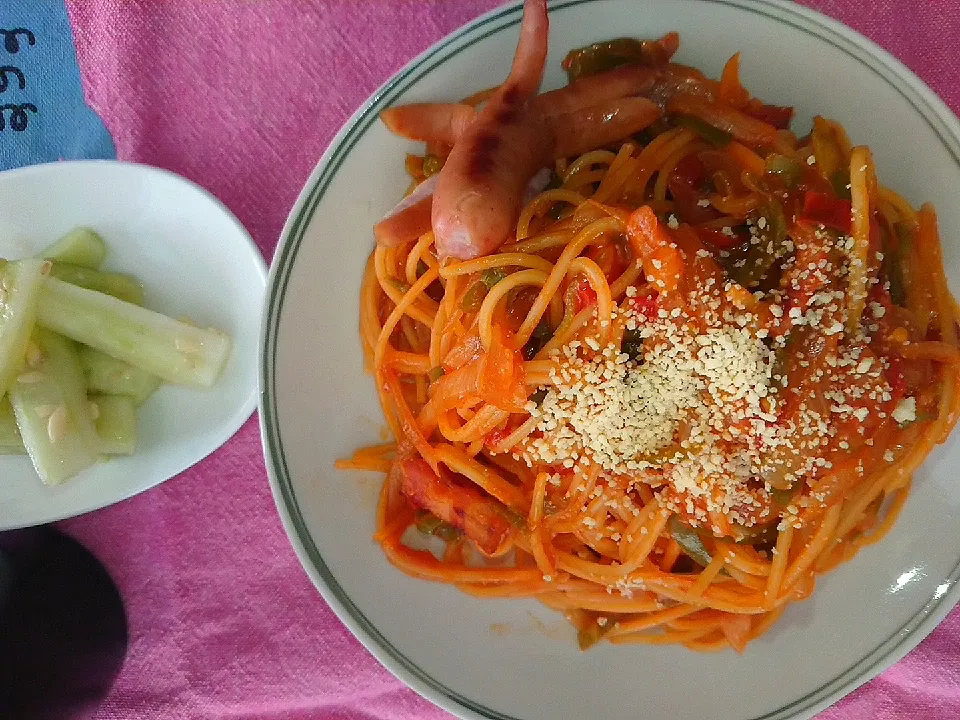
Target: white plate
[
  {"x": 317, "y": 405},
  {"x": 195, "y": 259}
]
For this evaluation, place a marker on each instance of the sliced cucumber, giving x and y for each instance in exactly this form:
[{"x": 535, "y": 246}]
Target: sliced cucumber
[
  {"x": 116, "y": 423},
  {"x": 53, "y": 415},
  {"x": 20, "y": 284},
  {"x": 81, "y": 246},
  {"x": 107, "y": 375},
  {"x": 10, "y": 442},
  {"x": 174, "y": 351},
  {"x": 122, "y": 286}
]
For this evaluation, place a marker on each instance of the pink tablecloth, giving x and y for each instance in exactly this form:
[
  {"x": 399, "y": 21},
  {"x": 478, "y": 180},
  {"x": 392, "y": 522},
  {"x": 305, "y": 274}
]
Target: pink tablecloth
[{"x": 243, "y": 96}]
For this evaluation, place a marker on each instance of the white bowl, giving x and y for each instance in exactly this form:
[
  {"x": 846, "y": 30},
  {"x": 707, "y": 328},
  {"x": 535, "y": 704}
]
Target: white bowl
[
  {"x": 195, "y": 259},
  {"x": 317, "y": 404}
]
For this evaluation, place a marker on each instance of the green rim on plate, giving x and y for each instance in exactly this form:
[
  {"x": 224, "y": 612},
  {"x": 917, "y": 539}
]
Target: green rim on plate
[{"x": 890, "y": 70}]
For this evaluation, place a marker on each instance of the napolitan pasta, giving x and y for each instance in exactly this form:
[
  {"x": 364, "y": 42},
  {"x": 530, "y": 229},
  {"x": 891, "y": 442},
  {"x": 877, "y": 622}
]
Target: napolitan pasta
[{"x": 698, "y": 372}]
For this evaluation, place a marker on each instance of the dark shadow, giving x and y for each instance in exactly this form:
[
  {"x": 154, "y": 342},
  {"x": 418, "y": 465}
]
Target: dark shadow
[{"x": 63, "y": 630}]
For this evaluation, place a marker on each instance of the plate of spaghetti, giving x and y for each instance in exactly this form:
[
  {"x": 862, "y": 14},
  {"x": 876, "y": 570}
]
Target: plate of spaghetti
[{"x": 644, "y": 360}]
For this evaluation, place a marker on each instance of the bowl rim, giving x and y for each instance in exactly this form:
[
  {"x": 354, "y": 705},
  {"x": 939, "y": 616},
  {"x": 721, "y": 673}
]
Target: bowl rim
[{"x": 889, "y": 69}]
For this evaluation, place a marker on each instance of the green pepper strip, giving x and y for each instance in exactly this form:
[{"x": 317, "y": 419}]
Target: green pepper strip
[
  {"x": 473, "y": 298},
  {"x": 788, "y": 169},
  {"x": 603, "y": 56},
  {"x": 590, "y": 635},
  {"x": 896, "y": 263},
  {"x": 759, "y": 258},
  {"x": 430, "y": 524},
  {"x": 689, "y": 541},
  {"x": 708, "y": 132},
  {"x": 492, "y": 277}
]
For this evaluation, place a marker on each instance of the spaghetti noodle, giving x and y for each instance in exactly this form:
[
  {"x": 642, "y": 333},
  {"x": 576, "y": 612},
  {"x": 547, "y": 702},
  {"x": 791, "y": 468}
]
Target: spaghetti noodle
[{"x": 700, "y": 375}]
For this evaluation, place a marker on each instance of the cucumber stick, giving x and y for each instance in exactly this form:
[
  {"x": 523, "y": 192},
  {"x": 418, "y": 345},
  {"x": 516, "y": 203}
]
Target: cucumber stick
[
  {"x": 174, "y": 351},
  {"x": 120, "y": 285},
  {"x": 115, "y": 420},
  {"x": 107, "y": 375},
  {"x": 20, "y": 284},
  {"x": 50, "y": 403},
  {"x": 116, "y": 423},
  {"x": 81, "y": 246},
  {"x": 10, "y": 442}
]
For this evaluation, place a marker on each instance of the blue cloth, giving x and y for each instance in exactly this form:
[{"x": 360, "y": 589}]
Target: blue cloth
[{"x": 43, "y": 115}]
